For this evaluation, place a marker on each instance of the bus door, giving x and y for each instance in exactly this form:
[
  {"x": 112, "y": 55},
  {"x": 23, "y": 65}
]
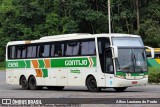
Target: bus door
[{"x": 108, "y": 67}]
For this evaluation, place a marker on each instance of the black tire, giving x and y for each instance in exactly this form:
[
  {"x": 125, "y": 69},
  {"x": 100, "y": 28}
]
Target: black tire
[
  {"x": 32, "y": 83},
  {"x": 24, "y": 83},
  {"x": 92, "y": 84},
  {"x": 120, "y": 89}
]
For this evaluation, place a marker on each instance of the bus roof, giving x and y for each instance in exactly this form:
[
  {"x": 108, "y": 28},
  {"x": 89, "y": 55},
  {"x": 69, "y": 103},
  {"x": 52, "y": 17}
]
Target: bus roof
[
  {"x": 83, "y": 35},
  {"x": 70, "y": 37}
]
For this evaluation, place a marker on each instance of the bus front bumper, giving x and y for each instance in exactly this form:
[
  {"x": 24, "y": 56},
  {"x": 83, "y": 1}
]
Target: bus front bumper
[{"x": 129, "y": 83}]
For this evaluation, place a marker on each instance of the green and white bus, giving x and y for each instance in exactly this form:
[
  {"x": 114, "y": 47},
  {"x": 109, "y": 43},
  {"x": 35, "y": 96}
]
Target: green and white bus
[{"x": 94, "y": 60}]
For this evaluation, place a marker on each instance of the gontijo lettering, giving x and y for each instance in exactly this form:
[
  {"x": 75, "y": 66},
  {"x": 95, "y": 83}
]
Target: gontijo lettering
[{"x": 76, "y": 62}]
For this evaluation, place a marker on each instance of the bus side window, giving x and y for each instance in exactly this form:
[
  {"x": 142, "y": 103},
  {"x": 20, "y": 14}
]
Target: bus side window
[
  {"x": 11, "y": 52},
  {"x": 24, "y": 51},
  {"x": 34, "y": 50},
  {"x": 18, "y": 51},
  {"x": 46, "y": 50},
  {"x": 40, "y": 51},
  {"x": 58, "y": 50},
  {"x": 88, "y": 48},
  {"x": 72, "y": 49},
  {"x": 52, "y": 50},
  {"x": 29, "y": 51}
]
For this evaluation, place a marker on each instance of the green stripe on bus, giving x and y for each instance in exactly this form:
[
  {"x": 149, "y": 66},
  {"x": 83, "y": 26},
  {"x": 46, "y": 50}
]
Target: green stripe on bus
[
  {"x": 94, "y": 60},
  {"x": 65, "y": 62},
  {"x": 72, "y": 62},
  {"x": 41, "y": 63},
  {"x": 28, "y": 63},
  {"x": 45, "y": 72}
]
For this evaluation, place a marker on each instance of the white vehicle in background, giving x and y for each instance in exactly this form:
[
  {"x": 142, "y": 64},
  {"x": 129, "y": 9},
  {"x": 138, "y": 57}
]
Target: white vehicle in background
[{"x": 97, "y": 61}]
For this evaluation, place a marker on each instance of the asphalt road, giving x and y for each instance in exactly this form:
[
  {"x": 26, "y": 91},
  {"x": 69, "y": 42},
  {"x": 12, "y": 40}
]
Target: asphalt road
[{"x": 15, "y": 91}]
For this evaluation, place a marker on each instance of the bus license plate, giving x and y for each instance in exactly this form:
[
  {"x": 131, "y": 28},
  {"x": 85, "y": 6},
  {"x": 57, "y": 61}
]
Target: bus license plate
[{"x": 134, "y": 82}]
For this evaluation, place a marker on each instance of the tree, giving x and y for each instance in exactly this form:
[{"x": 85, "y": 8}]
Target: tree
[{"x": 32, "y": 19}]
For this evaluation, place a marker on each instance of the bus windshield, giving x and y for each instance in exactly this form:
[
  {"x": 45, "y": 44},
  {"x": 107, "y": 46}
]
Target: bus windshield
[
  {"x": 131, "y": 60},
  {"x": 127, "y": 42}
]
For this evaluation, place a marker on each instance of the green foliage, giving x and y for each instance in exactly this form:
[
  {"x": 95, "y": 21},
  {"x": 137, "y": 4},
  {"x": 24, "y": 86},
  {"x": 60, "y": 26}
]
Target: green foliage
[
  {"x": 154, "y": 75},
  {"x": 2, "y": 65},
  {"x": 32, "y": 19}
]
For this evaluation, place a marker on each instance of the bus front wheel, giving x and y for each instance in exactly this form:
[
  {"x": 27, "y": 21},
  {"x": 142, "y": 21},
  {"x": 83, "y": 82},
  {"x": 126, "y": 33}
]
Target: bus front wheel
[
  {"x": 24, "y": 83},
  {"x": 92, "y": 84},
  {"x": 120, "y": 89}
]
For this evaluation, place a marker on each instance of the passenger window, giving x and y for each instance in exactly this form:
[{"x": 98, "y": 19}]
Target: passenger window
[
  {"x": 88, "y": 48},
  {"x": 24, "y": 51},
  {"x": 18, "y": 48},
  {"x": 46, "y": 50},
  {"x": 34, "y": 49},
  {"x": 72, "y": 49},
  {"x": 11, "y": 53},
  {"x": 52, "y": 50},
  {"x": 29, "y": 51},
  {"x": 40, "y": 51},
  {"x": 59, "y": 50},
  {"x": 21, "y": 51}
]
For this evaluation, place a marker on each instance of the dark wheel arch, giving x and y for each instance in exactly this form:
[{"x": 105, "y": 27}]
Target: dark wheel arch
[
  {"x": 87, "y": 78},
  {"x": 91, "y": 84}
]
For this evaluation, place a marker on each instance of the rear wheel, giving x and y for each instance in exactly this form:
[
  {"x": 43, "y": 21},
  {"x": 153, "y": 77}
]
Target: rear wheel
[
  {"x": 92, "y": 84},
  {"x": 120, "y": 89},
  {"x": 24, "y": 83},
  {"x": 33, "y": 83}
]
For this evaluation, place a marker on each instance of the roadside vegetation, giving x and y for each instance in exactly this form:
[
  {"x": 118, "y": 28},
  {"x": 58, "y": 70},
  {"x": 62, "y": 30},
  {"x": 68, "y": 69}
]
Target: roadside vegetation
[
  {"x": 154, "y": 74},
  {"x": 32, "y": 19},
  {"x": 2, "y": 65}
]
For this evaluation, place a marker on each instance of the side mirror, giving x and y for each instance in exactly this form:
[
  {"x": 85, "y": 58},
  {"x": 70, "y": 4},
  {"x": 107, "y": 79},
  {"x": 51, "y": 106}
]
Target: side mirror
[
  {"x": 115, "y": 51},
  {"x": 152, "y": 51}
]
